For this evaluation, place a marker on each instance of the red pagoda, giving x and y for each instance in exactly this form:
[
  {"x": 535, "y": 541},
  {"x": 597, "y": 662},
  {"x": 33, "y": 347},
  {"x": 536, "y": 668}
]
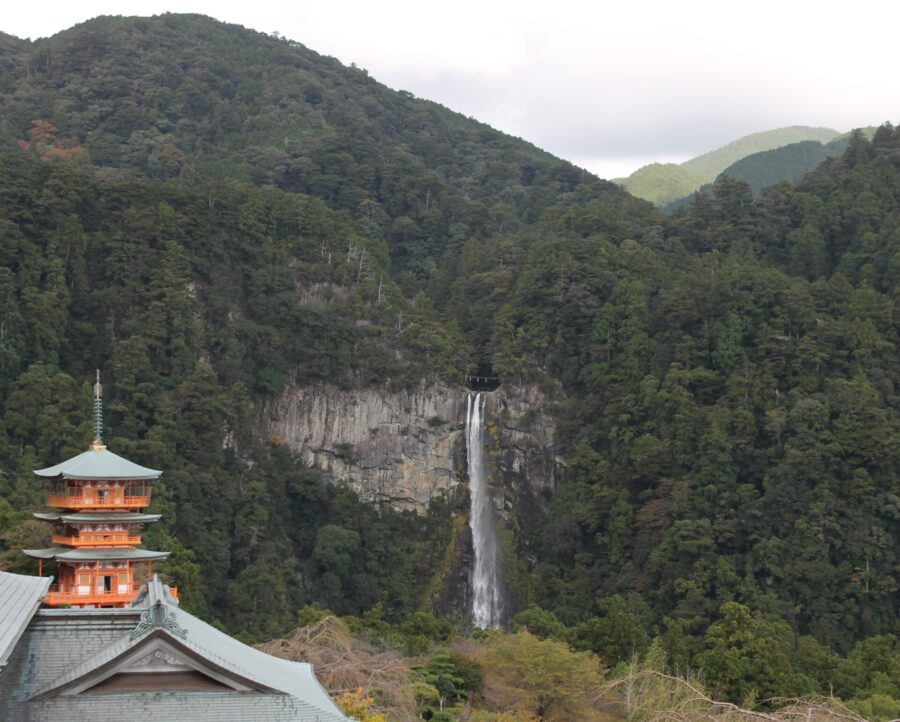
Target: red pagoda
[{"x": 99, "y": 500}]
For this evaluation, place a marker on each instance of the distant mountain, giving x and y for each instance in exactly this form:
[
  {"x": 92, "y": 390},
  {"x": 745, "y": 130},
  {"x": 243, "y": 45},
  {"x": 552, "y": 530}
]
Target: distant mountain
[
  {"x": 660, "y": 184},
  {"x": 709, "y": 165},
  {"x": 788, "y": 163},
  {"x": 869, "y": 133}
]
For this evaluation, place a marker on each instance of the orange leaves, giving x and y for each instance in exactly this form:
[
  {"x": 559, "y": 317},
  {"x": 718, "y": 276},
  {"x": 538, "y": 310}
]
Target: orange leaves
[{"x": 49, "y": 146}]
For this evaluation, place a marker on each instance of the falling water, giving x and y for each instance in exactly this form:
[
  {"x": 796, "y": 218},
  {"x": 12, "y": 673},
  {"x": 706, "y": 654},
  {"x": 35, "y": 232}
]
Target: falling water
[{"x": 485, "y": 580}]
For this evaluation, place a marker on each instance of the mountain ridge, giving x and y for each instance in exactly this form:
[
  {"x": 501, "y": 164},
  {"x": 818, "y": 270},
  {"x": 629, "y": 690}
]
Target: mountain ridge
[
  {"x": 248, "y": 106},
  {"x": 662, "y": 185}
]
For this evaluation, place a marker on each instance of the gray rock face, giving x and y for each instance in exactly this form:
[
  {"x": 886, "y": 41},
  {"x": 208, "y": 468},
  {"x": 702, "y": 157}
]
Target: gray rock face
[
  {"x": 522, "y": 460},
  {"x": 406, "y": 447}
]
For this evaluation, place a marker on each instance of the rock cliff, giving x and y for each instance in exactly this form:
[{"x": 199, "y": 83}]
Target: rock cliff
[{"x": 408, "y": 446}]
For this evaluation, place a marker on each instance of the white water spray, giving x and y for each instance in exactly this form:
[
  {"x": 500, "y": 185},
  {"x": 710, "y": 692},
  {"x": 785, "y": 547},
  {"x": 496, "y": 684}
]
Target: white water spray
[{"x": 486, "y": 605}]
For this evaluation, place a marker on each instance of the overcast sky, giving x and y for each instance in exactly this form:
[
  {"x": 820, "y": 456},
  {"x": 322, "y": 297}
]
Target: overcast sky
[{"x": 607, "y": 85}]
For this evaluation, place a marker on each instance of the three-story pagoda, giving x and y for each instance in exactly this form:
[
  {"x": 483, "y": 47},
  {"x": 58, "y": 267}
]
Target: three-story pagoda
[{"x": 99, "y": 500}]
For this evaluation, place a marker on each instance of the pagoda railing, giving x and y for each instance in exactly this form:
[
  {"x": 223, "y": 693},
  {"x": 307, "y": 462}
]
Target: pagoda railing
[
  {"x": 71, "y": 501},
  {"x": 97, "y": 539},
  {"x": 68, "y": 594},
  {"x": 60, "y": 594}
]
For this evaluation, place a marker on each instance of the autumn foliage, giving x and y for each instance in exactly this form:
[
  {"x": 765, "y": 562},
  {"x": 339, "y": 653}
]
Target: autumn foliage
[{"x": 45, "y": 141}]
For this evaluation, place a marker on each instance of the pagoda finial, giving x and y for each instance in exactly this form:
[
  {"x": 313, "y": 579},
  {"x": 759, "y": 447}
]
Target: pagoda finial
[{"x": 97, "y": 444}]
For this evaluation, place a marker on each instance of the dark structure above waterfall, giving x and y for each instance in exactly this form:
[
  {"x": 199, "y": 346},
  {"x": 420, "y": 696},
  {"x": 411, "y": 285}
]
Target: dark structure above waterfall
[
  {"x": 483, "y": 378},
  {"x": 482, "y": 383}
]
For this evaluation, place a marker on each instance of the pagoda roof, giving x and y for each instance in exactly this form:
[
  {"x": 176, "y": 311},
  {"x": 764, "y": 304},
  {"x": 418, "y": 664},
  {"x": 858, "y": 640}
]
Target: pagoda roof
[
  {"x": 89, "y": 517},
  {"x": 103, "y": 554},
  {"x": 98, "y": 464}
]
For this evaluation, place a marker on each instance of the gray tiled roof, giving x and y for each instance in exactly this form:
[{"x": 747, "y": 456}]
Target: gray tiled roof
[
  {"x": 103, "y": 554},
  {"x": 98, "y": 464},
  {"x": 61, "y": 645},
  {"x": 20, "y": 596}
]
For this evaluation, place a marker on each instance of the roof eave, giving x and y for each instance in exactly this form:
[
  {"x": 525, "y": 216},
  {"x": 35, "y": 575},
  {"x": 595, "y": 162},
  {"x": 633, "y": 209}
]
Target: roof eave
[{"x": 97, "y": 477}]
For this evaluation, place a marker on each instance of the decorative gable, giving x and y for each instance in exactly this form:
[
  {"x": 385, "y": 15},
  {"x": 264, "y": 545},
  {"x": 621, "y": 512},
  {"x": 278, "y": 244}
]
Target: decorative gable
[
  {"x": 157, "y": 667},
  {"x": 160, "y": 660},
  {"x": 157, "y": 662}
]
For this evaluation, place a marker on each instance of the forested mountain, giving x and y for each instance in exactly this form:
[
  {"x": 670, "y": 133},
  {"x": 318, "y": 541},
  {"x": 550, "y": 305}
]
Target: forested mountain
[
  {"x": 180, "y": 96},
  {"x": 666, "y": 183},
  {"x": 208, "y": 214}
]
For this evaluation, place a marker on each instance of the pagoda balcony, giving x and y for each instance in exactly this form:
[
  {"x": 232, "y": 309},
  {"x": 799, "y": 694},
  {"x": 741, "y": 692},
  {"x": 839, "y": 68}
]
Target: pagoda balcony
[
  {"x": 61, "y": 594},
  {"x": 97, "y": 539},
  {"x": 113, "y": 502},
  {"x": 69, "y": 595}
]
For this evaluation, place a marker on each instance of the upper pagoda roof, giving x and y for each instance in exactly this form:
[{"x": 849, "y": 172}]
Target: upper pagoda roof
[{"x": 97, "y": 463}]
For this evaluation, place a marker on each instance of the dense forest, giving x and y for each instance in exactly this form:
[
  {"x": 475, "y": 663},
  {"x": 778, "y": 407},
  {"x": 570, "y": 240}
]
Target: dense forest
[{"x": 208, "y": 213}]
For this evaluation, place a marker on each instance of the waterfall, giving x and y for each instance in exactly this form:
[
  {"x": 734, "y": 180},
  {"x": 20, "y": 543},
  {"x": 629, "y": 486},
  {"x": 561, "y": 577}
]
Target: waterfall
[{"x": 485, "y": 579}]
